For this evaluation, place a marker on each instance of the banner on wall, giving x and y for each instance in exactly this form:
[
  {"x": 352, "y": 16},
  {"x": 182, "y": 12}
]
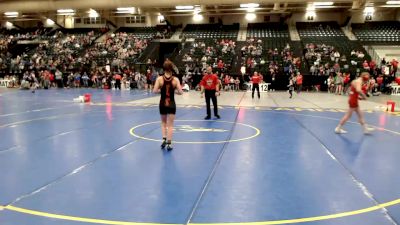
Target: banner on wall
[
  {"x": 4, "y": 83},
  {"x": 264, "y": 87}
]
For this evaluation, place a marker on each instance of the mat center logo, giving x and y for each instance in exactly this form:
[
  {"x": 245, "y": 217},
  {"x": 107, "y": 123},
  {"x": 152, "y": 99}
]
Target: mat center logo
[
  {"x": 189, "y": 128},
  {"x": 198, "y": 131}
]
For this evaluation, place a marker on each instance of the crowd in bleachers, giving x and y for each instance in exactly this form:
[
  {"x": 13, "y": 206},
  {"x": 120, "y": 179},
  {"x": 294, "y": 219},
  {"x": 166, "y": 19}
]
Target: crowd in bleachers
[
  {"x": 116, "y": 50},
  {"x": 380, "y": 81},
  {"x": 321, "y": 57},
  {"x": 9, "y": 36},
  {"x": 330, "y": 54},
  {"x": 70, "y": 59},
  {"x": 61, "y": 50},
  {"x": 100, "y": 78},
  {"x": 209, "y": 52},
  {"x": 5, "y": 40},
  {"x": 219, "y": 54},
  {"x": 257, "y": 56},
  {"x": 73, "y": 59}
]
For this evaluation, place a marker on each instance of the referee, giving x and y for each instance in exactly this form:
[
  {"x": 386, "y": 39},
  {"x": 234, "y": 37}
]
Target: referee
[{"x": 210, "y": 86}]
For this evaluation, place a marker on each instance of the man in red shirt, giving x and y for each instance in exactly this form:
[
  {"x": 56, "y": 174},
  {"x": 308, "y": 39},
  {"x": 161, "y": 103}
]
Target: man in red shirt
[
  {"x": 210, "y": 86},
  {"x": 255, "y": 79}
]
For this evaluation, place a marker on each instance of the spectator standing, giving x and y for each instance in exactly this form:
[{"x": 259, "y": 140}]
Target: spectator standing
[
  {"x": 291, "y": 85},
  {"x": 59, "y": 78},
  {"x": 299, "y": 82},
  {"x": 339, "y": 83},
  {"x": 118, "y": 79},
  {"x": 85, "y": 79},
  {"x": 255, "y": 79}
]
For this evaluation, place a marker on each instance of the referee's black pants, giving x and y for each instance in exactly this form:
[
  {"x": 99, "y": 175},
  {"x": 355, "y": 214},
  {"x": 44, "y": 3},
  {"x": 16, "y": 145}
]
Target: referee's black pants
[
  {"x": 255, "y": 86},
  {"x": 210, "y": 94},
  {"x": 118, "y": 84}
]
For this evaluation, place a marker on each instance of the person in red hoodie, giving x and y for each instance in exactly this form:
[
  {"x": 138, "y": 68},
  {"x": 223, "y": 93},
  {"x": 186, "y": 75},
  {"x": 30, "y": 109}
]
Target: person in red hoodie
[
  {"x": 299, "y": 82},
  {"x": 52, "y": 79},
  {"x": 255, "y": 79},
  {"x": 210, "y": 86}
]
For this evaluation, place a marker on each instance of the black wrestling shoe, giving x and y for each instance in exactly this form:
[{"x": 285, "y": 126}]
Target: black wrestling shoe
[
  {"x": 217, "y": 116},
  {"x": 169, "y": 147},
  {"x": 164, "y": 143},
  {"x": 207, "y": 117}
]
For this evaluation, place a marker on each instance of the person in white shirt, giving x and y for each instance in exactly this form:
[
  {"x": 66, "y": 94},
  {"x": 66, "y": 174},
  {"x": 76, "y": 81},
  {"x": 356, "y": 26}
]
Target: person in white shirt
[
  {"x": 243, "y": 70},
  {"x": 185, "y": 87}
]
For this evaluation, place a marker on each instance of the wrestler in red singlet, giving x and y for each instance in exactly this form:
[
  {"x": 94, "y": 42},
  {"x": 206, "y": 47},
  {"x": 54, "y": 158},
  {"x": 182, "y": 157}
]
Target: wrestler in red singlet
[
  {"x": 356, "y": 91},
  {"x": 353, "y": 97}
]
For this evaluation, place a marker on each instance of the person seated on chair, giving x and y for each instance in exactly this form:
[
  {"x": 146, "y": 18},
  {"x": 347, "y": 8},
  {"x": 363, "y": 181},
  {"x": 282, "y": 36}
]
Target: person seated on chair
[{"x": 232, "y": 83}]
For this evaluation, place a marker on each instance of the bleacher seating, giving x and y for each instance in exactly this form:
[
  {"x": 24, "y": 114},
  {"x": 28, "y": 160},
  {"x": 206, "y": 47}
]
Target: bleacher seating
[
  {"x": 211, "y": 31},
  {"x": 267, "y": 30},
  {"x": 147, "y": 32},
  {"x": 319, "y": 29},
  {"x": 330, "y": 34},
  {"x": 387, "y": 32}
]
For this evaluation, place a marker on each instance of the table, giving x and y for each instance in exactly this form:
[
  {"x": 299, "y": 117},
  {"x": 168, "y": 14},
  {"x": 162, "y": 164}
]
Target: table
[
  {"x": 264, "y": 87},
  {"x": 4, "y": 83},
  {"x": 396, "y": 90}
]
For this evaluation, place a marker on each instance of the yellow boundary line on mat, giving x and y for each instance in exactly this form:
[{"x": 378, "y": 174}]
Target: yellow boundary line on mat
[
  {"x": 272, "y": 222},
  {"x": 132, "y": 132}
]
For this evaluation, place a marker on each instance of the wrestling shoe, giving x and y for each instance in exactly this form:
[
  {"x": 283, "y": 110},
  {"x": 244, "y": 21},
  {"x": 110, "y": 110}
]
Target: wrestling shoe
[{"x": 339, "y": 130}]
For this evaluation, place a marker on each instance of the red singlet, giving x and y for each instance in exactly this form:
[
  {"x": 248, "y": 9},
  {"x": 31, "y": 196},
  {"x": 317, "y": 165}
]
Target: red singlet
[{"x": 353, "y": 97}]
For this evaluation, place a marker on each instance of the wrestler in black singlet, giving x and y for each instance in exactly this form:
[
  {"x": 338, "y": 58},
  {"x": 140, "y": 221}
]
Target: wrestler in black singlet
[{"x": 167, "y": 101}]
